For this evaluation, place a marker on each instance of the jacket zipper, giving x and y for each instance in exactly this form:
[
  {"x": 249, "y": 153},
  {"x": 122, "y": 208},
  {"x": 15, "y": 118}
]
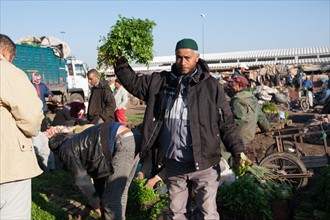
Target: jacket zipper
[
  {"x": 222, "y": 118},
  {"x": 152, "y": 133}
]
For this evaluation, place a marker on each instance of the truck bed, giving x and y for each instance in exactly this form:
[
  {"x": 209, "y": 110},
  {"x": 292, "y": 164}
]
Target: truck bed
[{"x": 42, "y": 60}]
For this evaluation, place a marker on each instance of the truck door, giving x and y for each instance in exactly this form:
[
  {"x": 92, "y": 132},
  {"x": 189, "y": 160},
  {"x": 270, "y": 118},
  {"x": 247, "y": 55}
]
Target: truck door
[
  {"x": 81, "y": 79},
  {"x": 77, "y": 80}
]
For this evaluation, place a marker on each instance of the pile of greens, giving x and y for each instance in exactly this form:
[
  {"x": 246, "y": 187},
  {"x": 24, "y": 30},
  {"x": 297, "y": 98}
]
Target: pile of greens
[
  {"x": 145, "y": 201},
  {"x": 315, "y": 204},
  {"x": 322, "y": 193},
  {"x": 270, "y": 108},
  {"x": 139, "y": 195},
  {"x": 246, "y": 196}
]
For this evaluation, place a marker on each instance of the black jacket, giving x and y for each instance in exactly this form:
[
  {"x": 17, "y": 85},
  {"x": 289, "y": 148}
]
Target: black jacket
[
  {"x": 63, "y": 117},
  {"x": 87, "y": 155},
  {"x": 209, "y": 112},
  {"x": 101, "y": 103}
]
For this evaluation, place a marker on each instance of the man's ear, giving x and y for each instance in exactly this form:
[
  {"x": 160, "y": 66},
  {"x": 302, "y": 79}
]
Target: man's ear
[
  {"x": 7, "y": 55},
  {"x": 197, "y": 57}
]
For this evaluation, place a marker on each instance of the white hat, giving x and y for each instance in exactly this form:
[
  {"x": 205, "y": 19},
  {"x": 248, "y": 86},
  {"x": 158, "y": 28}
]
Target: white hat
[{"x": 243, "y": 65}]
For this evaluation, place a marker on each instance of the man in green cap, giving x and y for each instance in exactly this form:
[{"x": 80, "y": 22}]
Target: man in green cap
[{"x": 186, "y": 117}]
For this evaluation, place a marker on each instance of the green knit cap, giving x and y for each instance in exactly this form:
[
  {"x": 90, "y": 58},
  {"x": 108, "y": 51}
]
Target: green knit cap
[{"x": 186, "y": 43}]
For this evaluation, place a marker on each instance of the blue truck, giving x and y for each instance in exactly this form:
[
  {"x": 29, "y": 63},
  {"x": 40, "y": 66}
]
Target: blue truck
[{"x": 66, "y": 78}]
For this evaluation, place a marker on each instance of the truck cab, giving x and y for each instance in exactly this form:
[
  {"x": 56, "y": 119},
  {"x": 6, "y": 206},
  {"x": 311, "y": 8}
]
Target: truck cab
[{"x": 76, "y": 79}]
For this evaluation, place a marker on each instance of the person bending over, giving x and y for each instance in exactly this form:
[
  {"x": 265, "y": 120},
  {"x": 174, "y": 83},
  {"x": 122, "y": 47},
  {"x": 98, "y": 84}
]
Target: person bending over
[{"x": 105, "y": 154}]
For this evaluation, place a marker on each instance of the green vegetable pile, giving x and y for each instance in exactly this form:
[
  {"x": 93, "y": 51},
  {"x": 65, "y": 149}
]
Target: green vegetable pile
[
  {"x": 245, "y": 196},
  {"x": 323, "y": 189},
  {"x": 270, "y": 108},
  {"x": 315, "y": 204},
  {"x": 139, "y": 195},
  {"x": 280, "y": 191},
  {"x": 144, "y": 201}
]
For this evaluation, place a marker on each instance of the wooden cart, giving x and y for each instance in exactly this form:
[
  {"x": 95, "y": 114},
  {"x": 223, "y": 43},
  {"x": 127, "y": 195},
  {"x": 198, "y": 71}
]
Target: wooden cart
[{"x": 287, "y": 156}]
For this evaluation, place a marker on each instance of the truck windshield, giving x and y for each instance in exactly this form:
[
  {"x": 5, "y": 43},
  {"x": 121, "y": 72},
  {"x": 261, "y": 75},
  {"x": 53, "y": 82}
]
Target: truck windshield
[{"x": 80, "y": 70}]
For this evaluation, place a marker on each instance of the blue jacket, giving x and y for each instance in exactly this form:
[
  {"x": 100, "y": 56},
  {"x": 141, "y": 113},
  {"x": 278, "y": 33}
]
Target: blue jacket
[
  {"x": 44, "y": 92},
  {"x": 307, "y": 84}
]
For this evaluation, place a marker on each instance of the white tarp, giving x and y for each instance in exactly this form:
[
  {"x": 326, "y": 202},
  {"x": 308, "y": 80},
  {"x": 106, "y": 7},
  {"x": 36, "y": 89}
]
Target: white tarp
[{"x": 60, "y": 48}]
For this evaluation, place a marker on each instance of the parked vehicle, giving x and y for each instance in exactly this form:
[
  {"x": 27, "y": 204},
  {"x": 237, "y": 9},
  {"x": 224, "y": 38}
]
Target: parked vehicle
[{"x": 66, "y": 78}]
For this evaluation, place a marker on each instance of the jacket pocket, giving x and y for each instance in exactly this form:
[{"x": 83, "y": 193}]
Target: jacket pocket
[{"x": 25, "y": 144}]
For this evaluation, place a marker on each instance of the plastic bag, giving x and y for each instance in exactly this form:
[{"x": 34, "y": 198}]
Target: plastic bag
[{"x": 227, "y": 176}]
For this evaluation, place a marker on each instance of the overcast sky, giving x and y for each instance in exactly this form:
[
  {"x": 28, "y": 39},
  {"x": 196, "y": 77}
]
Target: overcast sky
[{"x": 228, "y": 25}]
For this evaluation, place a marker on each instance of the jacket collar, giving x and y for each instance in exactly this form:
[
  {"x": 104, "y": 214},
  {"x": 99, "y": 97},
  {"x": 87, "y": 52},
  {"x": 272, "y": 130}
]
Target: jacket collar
[
  {"x": 243, "y": 94},
  {"x": 201, "y": 73},
  {"x": 102, "y": 83}
]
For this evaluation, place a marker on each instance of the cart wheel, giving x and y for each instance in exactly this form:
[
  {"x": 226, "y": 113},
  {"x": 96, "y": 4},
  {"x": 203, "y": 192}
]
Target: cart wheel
[
  {"x": 286, "y": 164},
  {"x": 304, "y": 104},
  {"x": 289, "y": 147}
]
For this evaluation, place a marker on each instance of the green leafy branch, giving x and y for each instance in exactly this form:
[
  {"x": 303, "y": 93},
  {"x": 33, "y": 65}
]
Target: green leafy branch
[{"x": 131, "y": 38}]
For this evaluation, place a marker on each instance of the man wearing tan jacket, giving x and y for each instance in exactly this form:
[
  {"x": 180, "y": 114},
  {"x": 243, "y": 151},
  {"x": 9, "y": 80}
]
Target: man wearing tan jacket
[{"x": 20, "y": 119}]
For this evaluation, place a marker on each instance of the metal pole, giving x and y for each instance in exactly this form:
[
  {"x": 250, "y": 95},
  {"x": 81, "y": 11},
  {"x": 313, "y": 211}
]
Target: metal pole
[{"x": 203, "y": 16}]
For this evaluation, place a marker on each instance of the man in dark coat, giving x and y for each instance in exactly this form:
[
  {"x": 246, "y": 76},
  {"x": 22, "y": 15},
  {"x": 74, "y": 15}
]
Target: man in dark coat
[
  {"x": 186, "y": 117},
  {"x": 102, "y": 104}
]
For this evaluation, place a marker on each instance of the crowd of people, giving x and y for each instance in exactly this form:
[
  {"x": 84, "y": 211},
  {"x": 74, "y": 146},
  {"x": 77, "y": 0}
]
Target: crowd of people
[{"x": 188, "y": 124}]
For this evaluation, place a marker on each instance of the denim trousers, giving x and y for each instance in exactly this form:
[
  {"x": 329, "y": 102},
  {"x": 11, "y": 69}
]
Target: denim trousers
[
  {"x": 124, "y": 163},
  {"x": 182, "y": 179}
]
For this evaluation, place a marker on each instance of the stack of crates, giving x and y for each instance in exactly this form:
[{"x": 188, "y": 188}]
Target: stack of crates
[{"x": 32, "y": 59}]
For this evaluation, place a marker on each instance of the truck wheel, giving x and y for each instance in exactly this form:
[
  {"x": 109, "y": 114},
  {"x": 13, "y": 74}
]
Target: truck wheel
[{"x": 76, "y": 97}]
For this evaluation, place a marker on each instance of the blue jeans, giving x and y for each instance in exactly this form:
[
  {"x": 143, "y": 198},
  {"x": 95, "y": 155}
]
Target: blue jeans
[{"x": 124, "y": 163}]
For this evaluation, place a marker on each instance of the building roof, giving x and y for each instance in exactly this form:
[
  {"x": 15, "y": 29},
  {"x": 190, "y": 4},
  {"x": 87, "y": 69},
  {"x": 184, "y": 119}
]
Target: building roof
[
  {"x": 253, "y": 54},
  {"x": 227, "y": 60}
]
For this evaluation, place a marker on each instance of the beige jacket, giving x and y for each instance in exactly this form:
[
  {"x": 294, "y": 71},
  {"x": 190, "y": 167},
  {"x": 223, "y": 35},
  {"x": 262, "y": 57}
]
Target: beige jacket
[{"x": 20, "y": 119}]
